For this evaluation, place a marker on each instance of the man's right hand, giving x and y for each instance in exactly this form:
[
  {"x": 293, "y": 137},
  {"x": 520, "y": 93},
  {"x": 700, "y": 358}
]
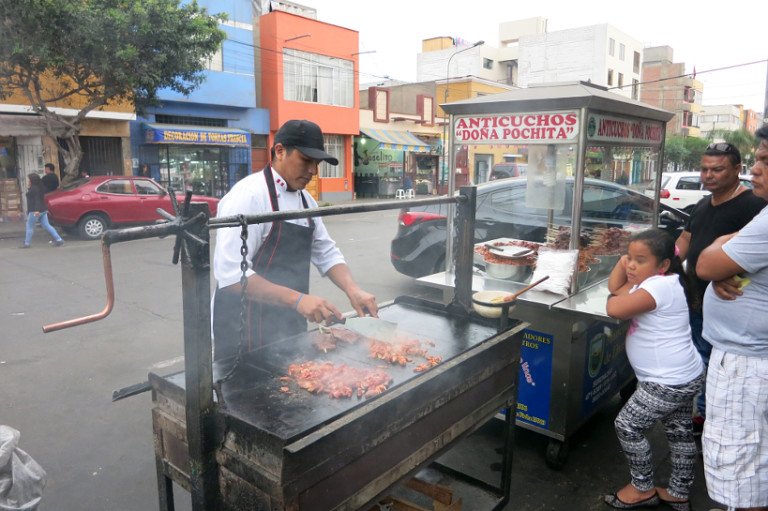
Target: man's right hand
[
  {"x": 317, "y": 310},
  {"x": 728, "y": 289}
]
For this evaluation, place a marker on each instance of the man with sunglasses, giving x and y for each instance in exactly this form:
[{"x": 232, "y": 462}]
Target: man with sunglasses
[{"x": 730, "y": 207}]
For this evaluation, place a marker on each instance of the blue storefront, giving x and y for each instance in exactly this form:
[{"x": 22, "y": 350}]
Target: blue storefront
[{"x": 207, "y": 141}]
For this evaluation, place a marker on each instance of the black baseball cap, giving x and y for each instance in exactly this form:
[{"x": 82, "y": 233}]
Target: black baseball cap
[{"x": 307, "y": 137}]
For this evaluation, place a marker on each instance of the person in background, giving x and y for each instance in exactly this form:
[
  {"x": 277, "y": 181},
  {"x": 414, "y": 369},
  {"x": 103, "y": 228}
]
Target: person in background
[
  {"x": 50, "y": 179},
  {"x": 144, "y": 170},
  {"x": 735, "y": 440},
  {"x": 37, "y": 212},
  {"x": 650, "y": 288},
  {"x": 730, "y": 207},
  {"x": 279, "y": 253}
]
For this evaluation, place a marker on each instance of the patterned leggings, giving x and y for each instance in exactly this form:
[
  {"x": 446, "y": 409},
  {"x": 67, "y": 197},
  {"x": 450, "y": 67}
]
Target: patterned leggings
[{"x": 671, "y": 404}]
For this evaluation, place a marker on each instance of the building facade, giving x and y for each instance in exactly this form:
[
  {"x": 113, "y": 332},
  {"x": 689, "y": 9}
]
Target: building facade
[
  {"x": 208, "y": 140},
  {"x": 309, "y": 70},
  {"x": 599, "y": 54},
  {"x": 666, "y": 87},
  {"x": 752, "y": 120},
  {"x": 719, "y": 118}
]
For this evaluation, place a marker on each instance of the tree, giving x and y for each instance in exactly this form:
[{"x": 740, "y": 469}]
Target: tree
[
  {"x": 695, "y": 147},
  {"x": 84, "y": 54},
  {"x": 744, "y": 141},
  {"x": 675, "y": 151}
]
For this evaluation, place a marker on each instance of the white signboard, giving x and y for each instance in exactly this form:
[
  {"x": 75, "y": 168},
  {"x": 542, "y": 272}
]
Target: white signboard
[
  {"x": 520, "y": 128},
  {"x": 602, "y": 128}
]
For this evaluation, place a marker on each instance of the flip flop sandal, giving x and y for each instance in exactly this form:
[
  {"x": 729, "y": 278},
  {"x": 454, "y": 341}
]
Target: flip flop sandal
[{"x": 615, "y": 502}]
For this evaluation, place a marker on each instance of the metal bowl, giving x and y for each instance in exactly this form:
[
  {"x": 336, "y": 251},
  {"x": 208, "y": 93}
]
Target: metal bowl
[{"x": 517, "y": 272}]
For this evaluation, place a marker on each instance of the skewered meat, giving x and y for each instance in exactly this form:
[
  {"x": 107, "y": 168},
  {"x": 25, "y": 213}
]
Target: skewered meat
[
  {"x": 324, "y": 342},
  {"x": 344, "y": 335}
]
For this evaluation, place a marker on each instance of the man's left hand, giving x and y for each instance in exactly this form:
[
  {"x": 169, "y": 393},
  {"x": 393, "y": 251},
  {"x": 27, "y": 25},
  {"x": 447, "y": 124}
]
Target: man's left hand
[
  {"x": 728, "y": 289},
  {"x": 364, "y": 303}
]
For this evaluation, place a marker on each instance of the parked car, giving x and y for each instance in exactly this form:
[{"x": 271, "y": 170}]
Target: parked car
[
  {"x": 91, "y": 205},
  {"x": 418, "y": 248},
  {"x": 682, "y": 190},
  {"x": 507, "y": 169}
]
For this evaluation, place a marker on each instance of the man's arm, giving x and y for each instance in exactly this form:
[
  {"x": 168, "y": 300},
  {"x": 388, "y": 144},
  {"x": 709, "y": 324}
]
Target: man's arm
[
  {"x": 683, "y": 243},
  {"x": 313, "y": 308},
  {"x": 714, "y": 264},
  {"x": 362, "y": 301}
]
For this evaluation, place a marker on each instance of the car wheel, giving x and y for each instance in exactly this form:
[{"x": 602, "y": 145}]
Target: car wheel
[{"x": 92, "y": 226}]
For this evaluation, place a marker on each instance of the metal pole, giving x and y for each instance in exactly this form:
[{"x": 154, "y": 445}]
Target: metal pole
[
  {"x": 465, "y": 249},
  {"x": 578, "y": 191},
  {"x": 450, "y": 208},
  {"x": 198, "y": 374}
]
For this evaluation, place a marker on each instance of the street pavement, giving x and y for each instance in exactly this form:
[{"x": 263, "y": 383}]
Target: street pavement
[{"x": 56, "y": 388}]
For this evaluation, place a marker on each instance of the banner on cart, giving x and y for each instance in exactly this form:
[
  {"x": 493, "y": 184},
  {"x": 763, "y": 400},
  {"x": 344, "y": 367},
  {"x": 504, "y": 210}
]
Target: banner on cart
[
  {"x": 603, "y": 128},
  {"x": 535, "y": 380},
  {"x": 522, "y": 128},
  {"x": 606, "y": 367}
]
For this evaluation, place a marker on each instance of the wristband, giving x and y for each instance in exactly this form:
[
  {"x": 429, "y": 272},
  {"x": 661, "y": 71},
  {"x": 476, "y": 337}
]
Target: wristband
[{"x": 296, "y": 305}]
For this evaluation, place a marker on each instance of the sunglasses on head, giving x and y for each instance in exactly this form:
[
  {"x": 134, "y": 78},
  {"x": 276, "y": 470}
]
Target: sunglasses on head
[{"x": 722, "y": 147}]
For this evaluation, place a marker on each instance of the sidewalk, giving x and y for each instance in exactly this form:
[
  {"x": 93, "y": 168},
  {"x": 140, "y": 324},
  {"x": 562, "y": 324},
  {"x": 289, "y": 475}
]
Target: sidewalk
[{"x": 12, "y": 229}]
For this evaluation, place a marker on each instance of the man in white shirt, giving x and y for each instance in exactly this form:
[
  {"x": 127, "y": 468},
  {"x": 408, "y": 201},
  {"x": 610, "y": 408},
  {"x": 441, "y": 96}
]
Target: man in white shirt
[{"x": 279, "y": 253}]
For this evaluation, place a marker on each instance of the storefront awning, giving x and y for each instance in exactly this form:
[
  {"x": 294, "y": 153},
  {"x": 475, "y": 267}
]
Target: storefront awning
[
  {"x": 13, "y": 125},
  {"x": 155, "y": 133},
  {"x": 397, "y": 140}
]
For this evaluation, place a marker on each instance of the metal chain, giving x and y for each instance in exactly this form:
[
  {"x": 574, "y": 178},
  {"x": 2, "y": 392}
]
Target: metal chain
[{"x": 243, "y": 310}]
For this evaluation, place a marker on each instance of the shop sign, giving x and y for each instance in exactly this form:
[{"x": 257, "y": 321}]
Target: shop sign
[
  {"x": 539, "y": 127},
  {"x": 198, "y": 137},
  {"x": 602, "y": 128}
]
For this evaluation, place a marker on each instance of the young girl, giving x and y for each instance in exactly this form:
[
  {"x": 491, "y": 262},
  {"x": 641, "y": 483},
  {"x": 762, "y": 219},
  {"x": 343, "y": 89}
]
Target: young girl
[{"x": 649, "y": 287}]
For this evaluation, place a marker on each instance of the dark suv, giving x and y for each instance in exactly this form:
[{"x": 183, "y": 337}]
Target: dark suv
[{"x": 418, "y": 249}]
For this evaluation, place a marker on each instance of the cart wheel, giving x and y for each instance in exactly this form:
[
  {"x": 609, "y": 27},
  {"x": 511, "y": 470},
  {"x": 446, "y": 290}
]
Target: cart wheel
[
  {"x": 557, "y": 454},
  {"x": 627, "y": 390}
]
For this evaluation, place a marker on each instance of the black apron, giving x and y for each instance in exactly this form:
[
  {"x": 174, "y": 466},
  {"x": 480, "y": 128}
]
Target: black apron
[{"x": 283, "y": 259}]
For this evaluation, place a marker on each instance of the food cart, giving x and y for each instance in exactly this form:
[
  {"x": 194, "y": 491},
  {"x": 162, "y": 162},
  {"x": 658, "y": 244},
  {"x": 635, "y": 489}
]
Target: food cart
[
  {"x": 245, "y": 433},
  {"x": 584, "y": 147}
]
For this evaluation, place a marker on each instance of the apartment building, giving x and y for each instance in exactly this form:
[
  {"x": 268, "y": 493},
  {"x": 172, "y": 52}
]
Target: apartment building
[
  {"x": 666, "y": 86},
  {"x": 716, "y": 118}
]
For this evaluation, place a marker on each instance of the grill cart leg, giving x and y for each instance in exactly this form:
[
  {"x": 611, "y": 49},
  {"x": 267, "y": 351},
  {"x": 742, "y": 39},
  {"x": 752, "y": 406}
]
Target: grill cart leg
[{"x": 164, "y": 488}]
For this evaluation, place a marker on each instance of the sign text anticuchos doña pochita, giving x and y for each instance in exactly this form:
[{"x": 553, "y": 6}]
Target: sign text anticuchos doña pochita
[
  {"x": 617, "y": 129},
  {"x": 541, "y": 127}
]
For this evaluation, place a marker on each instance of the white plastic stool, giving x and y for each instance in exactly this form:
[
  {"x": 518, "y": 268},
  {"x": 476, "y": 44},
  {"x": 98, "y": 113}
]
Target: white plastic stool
[
  {"x": 400, "y": 194},
  {"x": 410, "y": 193}
]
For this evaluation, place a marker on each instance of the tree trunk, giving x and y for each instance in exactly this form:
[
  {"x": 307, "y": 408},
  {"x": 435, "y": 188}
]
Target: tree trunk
[{"x": 72, "y": 154}]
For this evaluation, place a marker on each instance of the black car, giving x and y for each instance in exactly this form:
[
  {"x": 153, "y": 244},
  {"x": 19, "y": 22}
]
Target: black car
[{"x": 418, "y": 249}]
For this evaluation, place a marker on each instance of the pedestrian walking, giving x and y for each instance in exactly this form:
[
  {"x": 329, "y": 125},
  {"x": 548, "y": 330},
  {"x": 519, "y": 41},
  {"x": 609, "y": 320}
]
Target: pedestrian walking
[
  {"x": 50, "y": 179},
  {"x": 729, "y": 208},
  {"x": 735, "y": 440},
  {"x": 37, "y": 211},
  {"x": 649, "y": 287}
]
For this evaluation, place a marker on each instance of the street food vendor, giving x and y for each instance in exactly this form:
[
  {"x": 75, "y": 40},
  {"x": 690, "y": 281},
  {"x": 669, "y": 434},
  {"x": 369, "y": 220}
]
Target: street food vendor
[{"x": 279, "y": 253}]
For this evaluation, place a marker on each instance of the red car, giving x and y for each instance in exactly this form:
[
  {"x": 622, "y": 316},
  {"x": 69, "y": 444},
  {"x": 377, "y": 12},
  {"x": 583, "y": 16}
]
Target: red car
[{"x": 94, "y": 204}]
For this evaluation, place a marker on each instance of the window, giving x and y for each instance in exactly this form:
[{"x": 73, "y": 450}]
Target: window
[
  {"x": 334, "y": 145},
  {"x": 121, "y": 186},
  {"x": 689, "y": 183},
  {"x": 191, "y": 121},
  {"x": 635, "y": 89},
  {"x": 378, "y": 101},
  {"x": 621, "y": 80},
  {"x": 215, "y": 62},
  {"x": 314, "y": 78},
  {"x": 611, "y": 46},
  {"x": 147, "y": 188},
  {"x": 636, "y": 62},
  {"x": 622, "y": 49},
  {"x": 689, "y": 95},
  {"x": 487, "y": 63},
  {"x": 610, "y": 77},
  {"x": 425, "y": 108}
]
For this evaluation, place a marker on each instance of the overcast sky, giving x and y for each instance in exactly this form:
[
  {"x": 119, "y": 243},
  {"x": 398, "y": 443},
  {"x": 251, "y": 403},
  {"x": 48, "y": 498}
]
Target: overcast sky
[{"x": 702, "y": 34}]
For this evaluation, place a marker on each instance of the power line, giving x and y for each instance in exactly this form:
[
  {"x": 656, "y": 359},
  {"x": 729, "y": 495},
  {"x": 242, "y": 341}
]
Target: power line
[{"x": 692, "y": 75}]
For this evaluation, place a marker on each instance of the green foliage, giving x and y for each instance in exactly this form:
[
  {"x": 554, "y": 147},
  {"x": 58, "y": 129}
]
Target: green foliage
[
  {"x": 99, "y": 51},
  {"x": 675, "y": 151},
  {"x": 695, "y": 147}
]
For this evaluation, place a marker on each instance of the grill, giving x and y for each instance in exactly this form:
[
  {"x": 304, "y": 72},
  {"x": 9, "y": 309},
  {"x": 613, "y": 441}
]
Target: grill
[{"x": 306, "y": 451}]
